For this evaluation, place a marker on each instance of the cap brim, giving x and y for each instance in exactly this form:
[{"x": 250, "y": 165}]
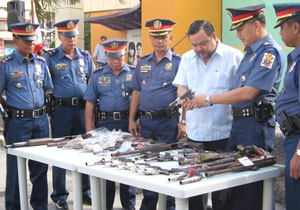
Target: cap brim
[
  {"x": 163, "y": 33},
  {"x": 280, "y": 22},
  {"x": 237, "y": 25},
  {"x": 71, "y": 33},
  {"x": 116, "y": 54},
  {"x": 27, "y": 38}
]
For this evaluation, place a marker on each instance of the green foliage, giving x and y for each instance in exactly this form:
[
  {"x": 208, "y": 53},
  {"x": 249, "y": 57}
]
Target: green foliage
[{"x": 52, "y": 45}]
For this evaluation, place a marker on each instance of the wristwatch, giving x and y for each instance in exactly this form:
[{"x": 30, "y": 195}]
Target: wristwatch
[
  {"x": 207, "y": 101},
  {"x": 298, "y": 152},
  {"x": 183, "y": 122}
]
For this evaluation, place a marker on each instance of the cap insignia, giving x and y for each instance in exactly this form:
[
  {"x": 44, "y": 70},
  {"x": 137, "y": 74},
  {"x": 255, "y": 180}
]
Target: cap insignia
[
  {"x": 70, "y": 24},
  {"x": 229, "y": 13},
  {"x": 29, "y": 28},
  {"x": 157, "y": 24},
  {"x": 114, "y": 45}
]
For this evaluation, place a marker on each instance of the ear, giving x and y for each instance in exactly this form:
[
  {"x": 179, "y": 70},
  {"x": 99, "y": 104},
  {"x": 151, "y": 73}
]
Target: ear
[
  {"x": 257, "y": 25},
  {"x": 214, "y": 36},
  {"x": 296, "y": 28}
]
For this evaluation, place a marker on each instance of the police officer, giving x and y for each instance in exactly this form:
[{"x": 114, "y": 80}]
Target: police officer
[
  {"x": 153, "y": 92},
  {"x": 25, "y": 77},
  {"x": 109, "y": 85},
  {"x": 70, "y": 68},
  {"x": 254, "y": 91},
  {"x": 288, "y": 107}
]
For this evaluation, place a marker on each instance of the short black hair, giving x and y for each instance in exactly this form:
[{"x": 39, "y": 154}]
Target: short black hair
[
  {"x": 261, "y": 19},
  {"x": 103, "y": 37},
  {"x": 293, "y": 19},
  {"x": 198, "y": 25}
]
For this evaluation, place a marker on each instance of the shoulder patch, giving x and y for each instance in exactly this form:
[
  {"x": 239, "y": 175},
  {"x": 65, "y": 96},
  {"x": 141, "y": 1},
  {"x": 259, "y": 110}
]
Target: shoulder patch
[
  {"x": 41, "y": 58},
  {"x": 6, "y": 59},
  {"x": 268, "y": 60},
  {"x": 52, "y": 52}
]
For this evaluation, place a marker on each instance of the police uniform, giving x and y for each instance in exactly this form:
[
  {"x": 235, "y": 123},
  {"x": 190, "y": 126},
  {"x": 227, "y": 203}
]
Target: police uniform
[
  {"x": 25, "y": 81},
  {"x": 114, "y": 94},
  {"x": 288, "y": 107},
  {"x": 154, "y": 82},
  {"x": 70, "y": 82},
  {"x": 261, "y": 69}
]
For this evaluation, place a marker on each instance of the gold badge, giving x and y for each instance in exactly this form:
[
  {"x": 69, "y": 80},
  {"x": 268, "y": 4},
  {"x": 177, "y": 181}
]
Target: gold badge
[
  {"x": 243, "y": 78},
  {"x": 251, "y": 59},
  {"x": 157, "y": 24},
  {"x": 168, "y": 67},
  {"x": 38, "y": 69},
  {"x": 29, "y": 28},
  {"x": 128, "y": 78},
  {"x": 70, "y": 24},
  {"x": 114, "y": 45},
  {"x": 62, "y": 77},
  {"x": 144, "y": 82},
  {"x": 292, "y": 67},
  {"x": 19, "y": 85},
  {"x": 81, "y": 62},
  {"x": 229, "y": 13}
]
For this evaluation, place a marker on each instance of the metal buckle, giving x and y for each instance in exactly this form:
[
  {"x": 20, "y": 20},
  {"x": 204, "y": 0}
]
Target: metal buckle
[
  {"x": 117, "y": 115},
  {"x": 149, "y": 115},
  {"x": 75, "y": 101},
  {"x": 35, "y": 113}
]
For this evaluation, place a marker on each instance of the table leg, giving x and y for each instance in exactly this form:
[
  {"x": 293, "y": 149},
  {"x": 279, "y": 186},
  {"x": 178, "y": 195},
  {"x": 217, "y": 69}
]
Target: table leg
[
  {"x": 181, "y": 203},
  {"x": 95, "y": 190},
  {"x": 268, "y": 194},
  {"x": 77, "y": 190},
  {"x": 103, "y": 193},
  {"x": 22, "y": 183},
  {"x": 162, "y": 201}
]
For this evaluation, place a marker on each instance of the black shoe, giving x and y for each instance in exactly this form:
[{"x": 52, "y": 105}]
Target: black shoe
[
  {"x": 61, "y": 204},
  {"x": 86, "y": 199}
]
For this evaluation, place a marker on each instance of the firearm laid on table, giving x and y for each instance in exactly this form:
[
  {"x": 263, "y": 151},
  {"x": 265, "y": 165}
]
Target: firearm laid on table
[{"x": 175, "y": 105}]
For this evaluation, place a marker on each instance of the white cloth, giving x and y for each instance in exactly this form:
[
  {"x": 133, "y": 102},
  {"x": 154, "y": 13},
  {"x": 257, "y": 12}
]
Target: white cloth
[
  {"x": 217, "y": 76},
  {"x": 99, "y": 53}
]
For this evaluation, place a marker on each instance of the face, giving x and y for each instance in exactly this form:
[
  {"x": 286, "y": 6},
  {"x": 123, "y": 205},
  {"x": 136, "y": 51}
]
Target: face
[
  {"x": 103, "y": 39},
  {"x": 161, "y": 43},
  {"x": 131, "y": 52},
  {"x": 203, "y": 45},
  {"x": 139, "y": 50},
  {"x": 116, "y": 63},
  {"x": 286, "y": 33},
  {"x": 247, "y": 33},
  {"x": 25, "y": 47},
  {"x": 68, "y": 42}
]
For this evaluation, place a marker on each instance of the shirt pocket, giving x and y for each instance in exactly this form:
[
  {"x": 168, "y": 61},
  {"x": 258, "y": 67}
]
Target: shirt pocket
[
  {"x": 219, "y": 80},
  {"x": 18, "y": 82}
]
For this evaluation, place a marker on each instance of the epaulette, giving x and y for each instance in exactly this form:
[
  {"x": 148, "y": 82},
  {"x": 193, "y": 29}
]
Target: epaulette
[
  {"x": 41, "y": 58},
  {"x": 6, "y": 59},
  {"x": 52, "y": 52},
  {"x": 84, "y": 52},
  {"x": 175, "y": 54},
  {"x": 268, "y": 44},
  {"x": 98, "y": 69},
  {"x": 146, "y": 55},
  {"x": 131, "y": 66}
]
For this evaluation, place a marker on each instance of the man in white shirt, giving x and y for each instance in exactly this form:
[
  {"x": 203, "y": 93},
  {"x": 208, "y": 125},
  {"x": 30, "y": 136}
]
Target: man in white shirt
[
  {"x": 99, "y": 53},
  {"x": 209, "y": 67}
]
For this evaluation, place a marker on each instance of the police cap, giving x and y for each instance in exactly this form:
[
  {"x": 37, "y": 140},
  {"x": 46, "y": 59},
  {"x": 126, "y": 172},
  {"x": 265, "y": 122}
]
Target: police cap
[
  {"x": 240, "y": 16},
  {"x": 26, "y": 31},
  {"x": 114, "y": 48},
  {"x": 284, "y": 11},
  {"x": 159, "y": 27},
  {"x": 68, "y": 27}
]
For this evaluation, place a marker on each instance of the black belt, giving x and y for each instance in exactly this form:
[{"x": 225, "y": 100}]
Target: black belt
[
  {"x": 27, "y": 113},
  {"x": 153, "y": 115},
  {"x": 113, "y": 115},
  {"x": 75, "y": 101},
  {"x": 242, "y": 112}
]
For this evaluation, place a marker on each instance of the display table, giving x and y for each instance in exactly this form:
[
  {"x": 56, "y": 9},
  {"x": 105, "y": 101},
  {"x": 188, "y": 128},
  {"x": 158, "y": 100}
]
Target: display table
[{"x": 74, "y": 160}]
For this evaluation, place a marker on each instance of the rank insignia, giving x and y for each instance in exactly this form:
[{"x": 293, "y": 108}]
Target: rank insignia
[
  {"x": 104, "y": 81},
  {"x": 144, "y": 82},
  {"x": 168, "y": 67},
  {"x": 145, "y": 69},
  {"x": 268, "y": 60},
  {"x": 16, "y": 74},
  {"x": 60, "y": 66},
  {"x": 251, "y": 59},
  {"x": 128, "y": 78},
  {"x": 292, "y": 67},
  {"x": 38, "y": 68},
  {"x": 243, "y": 78},
  {"x": 70, "y": 24},
  {"x": 81, "y": 62},
  {"x": 19, "y": 85}
]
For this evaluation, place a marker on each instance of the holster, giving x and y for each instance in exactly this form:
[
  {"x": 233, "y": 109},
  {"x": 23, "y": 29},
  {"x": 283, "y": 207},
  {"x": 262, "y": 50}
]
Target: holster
[
  {"x": 263, "y": 110},
  {"x": 50, "y": 104},
  {"x": 290, "y": 125},
  {"x": 170, "y": 111},
  {"x": 96, "y": 112}
]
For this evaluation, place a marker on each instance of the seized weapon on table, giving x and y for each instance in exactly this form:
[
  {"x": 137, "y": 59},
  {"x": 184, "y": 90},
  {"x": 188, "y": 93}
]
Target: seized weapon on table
[
  {"x": 176, "y": 104},
  {"x": 159, "y": 147},
  {"x": 45, "y": 141}
]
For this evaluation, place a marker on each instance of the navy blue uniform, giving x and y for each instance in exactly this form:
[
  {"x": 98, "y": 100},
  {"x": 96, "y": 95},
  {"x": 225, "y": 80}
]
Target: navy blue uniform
[
  {"x": 288, "y": 101},
  {"x": 114, "y": 96},
  {"x": 70, "y": 81},
  {"x": 261, "y": 69},
  {"x": 154, "y": 81},
  {"x": 25, "y": 82}
]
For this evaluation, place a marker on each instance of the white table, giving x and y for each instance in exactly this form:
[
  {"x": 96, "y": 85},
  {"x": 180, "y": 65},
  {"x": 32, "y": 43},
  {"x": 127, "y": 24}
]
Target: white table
[
  {"x": 160, "y": 183},
  {"x": 64, "y": 158},
  {"x": 74, "y": 160}
]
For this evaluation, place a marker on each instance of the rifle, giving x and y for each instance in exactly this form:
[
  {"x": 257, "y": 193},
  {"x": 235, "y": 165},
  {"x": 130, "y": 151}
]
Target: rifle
[
  {"x": 159, "y": 147},
  {"x": 45, "y": 141}
]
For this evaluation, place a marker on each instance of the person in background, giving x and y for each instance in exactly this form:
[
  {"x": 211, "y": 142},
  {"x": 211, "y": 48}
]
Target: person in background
[
  {"x": 70, "y": 68},
  {"x": 210, "y": 67},
  {"x": 25, "y": 78},
  {"x": 99, "y": 53},
  {"x": 131, "y": 54},
  {"x": 287, "y": 108},
  {"x": 138, "y": 52}
]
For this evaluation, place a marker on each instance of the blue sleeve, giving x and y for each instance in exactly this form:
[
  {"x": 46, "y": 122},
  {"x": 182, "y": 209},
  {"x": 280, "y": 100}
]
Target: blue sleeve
[
  {"x": 47, "y": 80},
  {"x": 135, "y": 84},
  {"x": 2, "y": 78},
  {"x": 91, "y": 93}
]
